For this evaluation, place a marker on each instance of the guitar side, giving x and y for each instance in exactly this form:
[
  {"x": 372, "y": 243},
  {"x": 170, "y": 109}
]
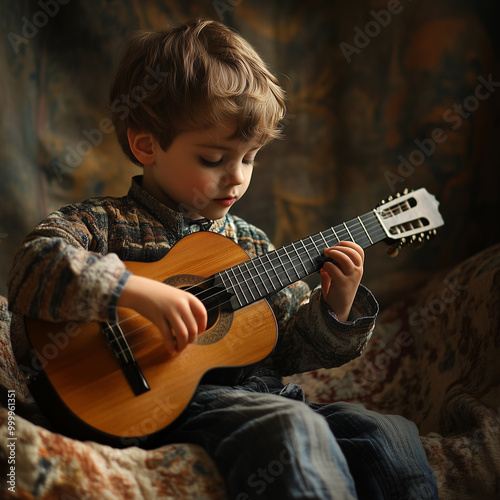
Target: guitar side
[{"x": 83, "y": 388}]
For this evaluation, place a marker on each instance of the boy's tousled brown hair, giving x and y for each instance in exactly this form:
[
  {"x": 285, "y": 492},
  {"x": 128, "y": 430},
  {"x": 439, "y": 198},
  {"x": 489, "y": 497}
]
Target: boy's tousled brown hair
[{"x": 190, "y": 77}]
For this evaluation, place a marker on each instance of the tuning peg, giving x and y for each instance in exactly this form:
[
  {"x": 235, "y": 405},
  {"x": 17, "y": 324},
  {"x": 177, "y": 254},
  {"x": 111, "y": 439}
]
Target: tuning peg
[
  {"x": 418, "y": 243},
  {"x": 393, "y": 251}
]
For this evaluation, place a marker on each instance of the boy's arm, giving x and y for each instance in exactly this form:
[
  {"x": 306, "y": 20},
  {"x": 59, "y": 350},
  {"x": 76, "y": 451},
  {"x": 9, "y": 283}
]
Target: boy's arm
[
  {"x": 312, "y": 337},
  {"x": 60, "y": 271},
  {"x": 63, "y": 271}
]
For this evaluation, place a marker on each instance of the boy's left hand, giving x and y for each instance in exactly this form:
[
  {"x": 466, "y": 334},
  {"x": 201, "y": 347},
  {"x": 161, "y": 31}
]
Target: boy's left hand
[{"x": 340, "y": 279}]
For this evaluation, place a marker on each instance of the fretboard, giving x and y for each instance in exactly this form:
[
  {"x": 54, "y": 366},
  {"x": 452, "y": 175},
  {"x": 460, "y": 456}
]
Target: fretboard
[{"x": 260, "y": 277}]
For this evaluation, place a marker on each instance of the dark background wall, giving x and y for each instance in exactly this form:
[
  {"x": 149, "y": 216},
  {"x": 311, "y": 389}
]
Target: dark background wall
[{"x": 383, "y": 95}]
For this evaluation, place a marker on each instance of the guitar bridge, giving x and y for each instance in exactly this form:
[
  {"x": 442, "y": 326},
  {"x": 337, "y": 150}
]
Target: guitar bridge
[{"x": 120, "y": 348}]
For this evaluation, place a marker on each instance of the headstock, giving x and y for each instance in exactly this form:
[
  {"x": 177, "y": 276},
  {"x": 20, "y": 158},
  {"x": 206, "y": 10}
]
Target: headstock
[{"x": 409, "y": 218}]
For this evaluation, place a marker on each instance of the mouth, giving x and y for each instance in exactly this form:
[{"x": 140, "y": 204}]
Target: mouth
[{"x": 225, "y": 202}]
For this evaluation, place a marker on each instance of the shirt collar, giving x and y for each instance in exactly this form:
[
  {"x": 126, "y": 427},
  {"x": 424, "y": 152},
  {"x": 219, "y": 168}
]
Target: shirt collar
[{"x": 171, "y": 218}]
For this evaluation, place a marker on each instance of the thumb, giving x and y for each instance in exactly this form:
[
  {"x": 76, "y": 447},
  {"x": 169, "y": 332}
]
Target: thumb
[{"x": 325, "y": 282}]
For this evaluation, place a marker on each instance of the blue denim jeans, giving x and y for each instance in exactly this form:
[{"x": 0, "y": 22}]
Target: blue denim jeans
[{"x": 268, "y": 443}]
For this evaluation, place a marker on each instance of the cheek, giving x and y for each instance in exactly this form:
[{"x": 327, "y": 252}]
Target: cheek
[
  {"x": 205, "y": 183},
  {"x": 248, "y": 178}
]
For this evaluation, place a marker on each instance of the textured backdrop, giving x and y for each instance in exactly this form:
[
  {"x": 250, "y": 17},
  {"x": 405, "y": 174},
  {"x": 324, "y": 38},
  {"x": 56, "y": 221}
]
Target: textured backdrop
[{"x": 383, "y": 95}]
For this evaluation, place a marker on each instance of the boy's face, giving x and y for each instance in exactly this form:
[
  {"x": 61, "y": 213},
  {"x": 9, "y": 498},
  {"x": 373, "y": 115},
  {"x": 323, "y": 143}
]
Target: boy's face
[{"x": 202, "y": 173}]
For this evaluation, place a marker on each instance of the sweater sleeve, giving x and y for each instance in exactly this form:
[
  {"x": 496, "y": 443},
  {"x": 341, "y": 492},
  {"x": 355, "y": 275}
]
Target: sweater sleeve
[
  {"x": 61, "y": 271},
  {"x": 310, "y": 335}
]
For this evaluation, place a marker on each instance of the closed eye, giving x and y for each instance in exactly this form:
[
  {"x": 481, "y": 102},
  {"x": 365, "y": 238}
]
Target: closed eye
[{"x": 209, "y": 163}]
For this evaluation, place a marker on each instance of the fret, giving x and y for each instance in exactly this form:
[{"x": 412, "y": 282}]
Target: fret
[
  {"x": 336, "y": 236},
  {"x": 298, "y": 255},
  {"x": 360, "y": 232},
  {"x": 259, "y": 275},
  {"x": 275, "y": 274},
  {"x": 318, "y": 251},
  {"x": 312, "y": 268},
  {"x": 233, "y": 287},
  {"x": 291, "y": 262},
  {"x": 348, "y": 232},
  {"x": 364, "y": 229},
  {"x": 377, "y": 234},
  {"x": 243, "y": 284},
  {"x": 373, "y": 228},
  {"x": 318, "y": 261},
  {"x": 327, "y": 245},
  {"x": 290, "y": 280},
  {"x": 251, "y": 278},
  {"x": 343, "y": 232}
]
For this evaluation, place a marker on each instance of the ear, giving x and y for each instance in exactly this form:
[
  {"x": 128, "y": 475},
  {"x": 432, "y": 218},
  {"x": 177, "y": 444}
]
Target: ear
[{"x": 141, "y": 144}]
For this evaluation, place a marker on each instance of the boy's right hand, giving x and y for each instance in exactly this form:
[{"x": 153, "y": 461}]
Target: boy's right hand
[{"x": 178, "y": 314}]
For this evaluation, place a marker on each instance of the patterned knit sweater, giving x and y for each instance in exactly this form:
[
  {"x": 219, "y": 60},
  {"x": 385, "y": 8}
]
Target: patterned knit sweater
[{"x": 71, "y": 267}]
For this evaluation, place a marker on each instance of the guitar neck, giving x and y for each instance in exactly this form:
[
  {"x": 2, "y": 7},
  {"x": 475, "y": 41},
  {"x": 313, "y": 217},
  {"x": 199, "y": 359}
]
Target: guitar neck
[{"x": 260, "y": 277}]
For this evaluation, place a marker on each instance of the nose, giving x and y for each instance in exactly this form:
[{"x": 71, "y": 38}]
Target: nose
[{"x": 234, "y": 174}]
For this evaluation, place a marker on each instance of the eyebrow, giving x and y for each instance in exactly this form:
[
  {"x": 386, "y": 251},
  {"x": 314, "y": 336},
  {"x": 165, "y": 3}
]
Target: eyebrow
[{"x": 223, "y": 148}]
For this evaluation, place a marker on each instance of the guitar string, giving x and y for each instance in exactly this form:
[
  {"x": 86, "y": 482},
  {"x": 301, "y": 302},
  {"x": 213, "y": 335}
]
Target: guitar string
[
  {"x": 295, "y": 259},
  {"x": 356, "y": 233}
]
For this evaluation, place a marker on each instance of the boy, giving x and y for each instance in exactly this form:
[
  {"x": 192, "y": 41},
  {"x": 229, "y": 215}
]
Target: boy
[{"x": 195, "y": 129}]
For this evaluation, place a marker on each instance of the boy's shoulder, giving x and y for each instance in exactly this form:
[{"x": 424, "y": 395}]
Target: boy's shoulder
[
  {"x": 251, "y": 238},
  {"x": 100, "y": 211},
  {"x": 98, "y": 204}
]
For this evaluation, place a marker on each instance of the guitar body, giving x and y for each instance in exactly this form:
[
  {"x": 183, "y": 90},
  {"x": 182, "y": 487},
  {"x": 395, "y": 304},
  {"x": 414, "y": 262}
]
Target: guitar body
[{"x": 83, "y": 387}]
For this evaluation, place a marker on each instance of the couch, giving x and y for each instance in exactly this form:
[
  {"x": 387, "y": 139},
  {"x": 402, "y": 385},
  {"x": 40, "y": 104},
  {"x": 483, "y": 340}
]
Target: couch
[{"x": 433, "y": 358}]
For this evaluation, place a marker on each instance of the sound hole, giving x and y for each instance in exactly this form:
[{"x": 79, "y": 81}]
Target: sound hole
[{"x": 220, "y": 314}]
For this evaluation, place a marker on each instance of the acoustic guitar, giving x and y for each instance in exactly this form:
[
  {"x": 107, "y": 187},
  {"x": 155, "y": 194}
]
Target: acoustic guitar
[{"x": 115, "y": 383}]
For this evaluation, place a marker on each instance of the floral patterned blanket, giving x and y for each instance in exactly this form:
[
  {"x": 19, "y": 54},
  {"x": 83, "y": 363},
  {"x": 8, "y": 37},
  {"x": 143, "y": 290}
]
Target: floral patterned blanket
[{"x": 433, "y": 359}]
